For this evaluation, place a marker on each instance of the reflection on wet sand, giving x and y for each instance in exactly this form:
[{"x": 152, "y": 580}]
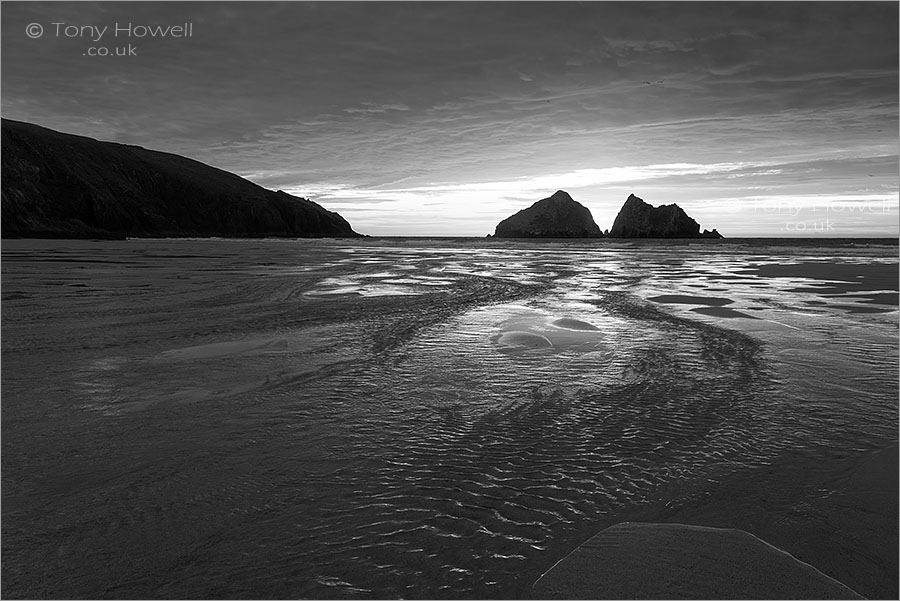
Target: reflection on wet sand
[{"x": 410, "y": 418}]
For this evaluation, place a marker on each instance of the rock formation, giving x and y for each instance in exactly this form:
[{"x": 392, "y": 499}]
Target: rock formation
[
  {"x": 65, "y": 186},
  {"x": 637, "y": 219},
  {"x": 556, "y": 217}
]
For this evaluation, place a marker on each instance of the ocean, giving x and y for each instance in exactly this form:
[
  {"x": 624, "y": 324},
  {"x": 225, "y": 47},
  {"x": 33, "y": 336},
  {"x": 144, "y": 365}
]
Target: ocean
[{"x": 414, "y": 418}]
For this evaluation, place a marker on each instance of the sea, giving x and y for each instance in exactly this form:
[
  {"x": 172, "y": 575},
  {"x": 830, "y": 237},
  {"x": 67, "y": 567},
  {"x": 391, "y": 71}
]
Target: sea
[{"x": 412, "y": 418}]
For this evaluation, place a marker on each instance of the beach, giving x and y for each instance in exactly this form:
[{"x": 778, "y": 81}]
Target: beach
[
  {"x": 843, "y": 525},
  {"x": 386, "y": 418}
]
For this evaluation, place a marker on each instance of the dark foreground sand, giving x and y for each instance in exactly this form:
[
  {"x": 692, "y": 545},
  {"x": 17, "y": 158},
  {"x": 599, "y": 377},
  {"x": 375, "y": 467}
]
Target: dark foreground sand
[
  {"x": 821, "y": 530},
  {"x": 675, "y": 561}
]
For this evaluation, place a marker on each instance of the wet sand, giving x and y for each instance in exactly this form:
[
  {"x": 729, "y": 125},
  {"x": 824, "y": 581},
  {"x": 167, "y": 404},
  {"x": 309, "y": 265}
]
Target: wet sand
[
  {"x": 840, "y": 277},
  {"x": 691, "y": 300},
  {"x": 722, "y": 312},
  {"x": 839, "y": 518},
  {"x": 323, "y": 419},
  {"x": 677, "y": 561},
  {"x": 847, "y": 286},
  {"x": 873, "y": 283}
]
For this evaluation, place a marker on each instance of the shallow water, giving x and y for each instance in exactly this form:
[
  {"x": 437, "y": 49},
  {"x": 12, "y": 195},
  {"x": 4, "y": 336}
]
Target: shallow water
[{"x": 389, "y": 418}]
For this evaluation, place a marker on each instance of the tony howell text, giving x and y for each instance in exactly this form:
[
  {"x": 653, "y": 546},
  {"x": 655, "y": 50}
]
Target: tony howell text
[{"x": 97, "y": 33}]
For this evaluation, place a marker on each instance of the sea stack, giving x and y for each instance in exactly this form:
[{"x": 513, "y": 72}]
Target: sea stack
[
  {"x": 555, "y": 217},
  {"x": 638, "y": 219},
  {"x": 58, "y": 185}
]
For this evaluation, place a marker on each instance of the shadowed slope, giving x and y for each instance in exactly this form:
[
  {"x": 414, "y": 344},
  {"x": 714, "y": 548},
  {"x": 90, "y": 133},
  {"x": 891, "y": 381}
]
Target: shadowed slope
[{"x": 61, "y": 185}]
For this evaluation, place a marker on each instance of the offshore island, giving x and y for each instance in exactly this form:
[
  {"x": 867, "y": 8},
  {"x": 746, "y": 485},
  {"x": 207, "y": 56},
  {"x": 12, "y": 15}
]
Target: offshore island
[{"x": 560, "y": 216}]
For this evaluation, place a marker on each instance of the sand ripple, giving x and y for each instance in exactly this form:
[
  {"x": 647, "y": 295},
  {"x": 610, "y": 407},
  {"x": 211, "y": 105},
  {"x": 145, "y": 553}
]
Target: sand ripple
[{"x": 336, "y": 420}]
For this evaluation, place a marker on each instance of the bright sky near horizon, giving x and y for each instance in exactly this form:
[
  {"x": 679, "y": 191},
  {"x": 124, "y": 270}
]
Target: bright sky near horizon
[{"x": 431, "y": 118}]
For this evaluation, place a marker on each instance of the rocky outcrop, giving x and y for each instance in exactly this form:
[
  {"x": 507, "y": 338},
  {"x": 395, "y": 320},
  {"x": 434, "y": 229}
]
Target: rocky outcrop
[
  {"x": 65, "y": 186},
  {"x": 637, "y": 219},
  {"x": 556, "y": 217}
]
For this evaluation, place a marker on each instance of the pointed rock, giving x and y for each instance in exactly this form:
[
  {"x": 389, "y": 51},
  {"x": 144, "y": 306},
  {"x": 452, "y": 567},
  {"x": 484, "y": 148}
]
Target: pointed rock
[
  {"x": 558, "y": 216},
  {"x": 638, "y": 219}
]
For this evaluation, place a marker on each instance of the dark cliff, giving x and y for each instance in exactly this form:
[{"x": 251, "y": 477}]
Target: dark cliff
[
  {"x": 556, "y": 217},
  {"x": 637, "y": 219},
  {"x": 66, "y": 186}
]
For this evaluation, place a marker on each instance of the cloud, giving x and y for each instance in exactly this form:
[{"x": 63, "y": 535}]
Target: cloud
[
  {"x": 485, "y": 107},
  {"x": 643, "y": 46},
  {"x": 373, "y": 108}
]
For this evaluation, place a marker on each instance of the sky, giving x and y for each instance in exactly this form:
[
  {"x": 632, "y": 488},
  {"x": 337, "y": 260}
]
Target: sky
[{"x": 760, "y": 119}]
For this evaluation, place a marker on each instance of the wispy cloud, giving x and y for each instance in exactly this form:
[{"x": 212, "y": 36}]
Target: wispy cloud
[{"x": 368, "y": 108}]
